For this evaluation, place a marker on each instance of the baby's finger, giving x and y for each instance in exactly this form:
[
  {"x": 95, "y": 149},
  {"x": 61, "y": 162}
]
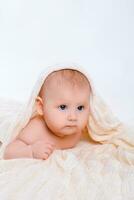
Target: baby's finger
[
  {"x": 51, "y": 143},
  {"x": 50, "y": 146},
  {"x": 45, "y": 156},
  {"x": 48, "y": 150}
]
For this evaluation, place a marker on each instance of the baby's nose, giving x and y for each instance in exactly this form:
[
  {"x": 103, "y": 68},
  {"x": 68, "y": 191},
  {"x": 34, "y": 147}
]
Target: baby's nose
[{"x": 72, "y": 116}]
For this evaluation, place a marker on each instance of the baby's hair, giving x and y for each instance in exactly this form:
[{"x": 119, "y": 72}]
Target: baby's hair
[{"x": 71, "y": 77}]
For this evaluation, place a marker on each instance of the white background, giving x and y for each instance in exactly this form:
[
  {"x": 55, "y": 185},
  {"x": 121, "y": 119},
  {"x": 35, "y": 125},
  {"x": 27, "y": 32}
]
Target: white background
[{"x": 98, "y": 34}]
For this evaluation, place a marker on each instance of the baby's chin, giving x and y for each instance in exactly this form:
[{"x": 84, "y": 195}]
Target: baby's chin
[{"x": 65, "y": 133}]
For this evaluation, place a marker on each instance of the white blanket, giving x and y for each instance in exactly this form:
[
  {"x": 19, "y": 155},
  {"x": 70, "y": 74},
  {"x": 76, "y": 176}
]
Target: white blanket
[{"x": 97, "y": 169}]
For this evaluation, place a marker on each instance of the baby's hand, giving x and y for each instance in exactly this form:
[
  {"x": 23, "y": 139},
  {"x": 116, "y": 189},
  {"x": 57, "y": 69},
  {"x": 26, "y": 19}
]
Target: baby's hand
[{"x": 42, "y": 149}]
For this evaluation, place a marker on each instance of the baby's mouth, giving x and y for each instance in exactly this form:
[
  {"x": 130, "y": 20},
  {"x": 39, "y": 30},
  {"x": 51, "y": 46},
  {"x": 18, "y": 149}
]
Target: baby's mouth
[{"x": 70, "y": 127}]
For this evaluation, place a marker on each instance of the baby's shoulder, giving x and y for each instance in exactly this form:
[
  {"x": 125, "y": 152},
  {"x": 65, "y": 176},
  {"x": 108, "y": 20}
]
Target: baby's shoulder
[{"x": 33, "y": 131}]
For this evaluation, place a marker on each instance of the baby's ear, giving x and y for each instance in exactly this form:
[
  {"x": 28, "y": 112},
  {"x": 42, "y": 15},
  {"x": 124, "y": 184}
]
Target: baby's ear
[{"x": 39, "y": 105}]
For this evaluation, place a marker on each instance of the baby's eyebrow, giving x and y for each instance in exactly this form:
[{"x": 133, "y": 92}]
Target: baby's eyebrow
[
  {"x": 61, "y": 101},
  {"x": 82, "y": 102}
]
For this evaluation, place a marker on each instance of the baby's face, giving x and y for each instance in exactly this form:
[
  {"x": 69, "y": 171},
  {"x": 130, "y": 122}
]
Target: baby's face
[{"x": 66, "y": 111}]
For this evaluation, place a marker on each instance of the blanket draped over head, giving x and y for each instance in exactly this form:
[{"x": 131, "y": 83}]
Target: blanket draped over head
[{"x": 95, "y": 169}]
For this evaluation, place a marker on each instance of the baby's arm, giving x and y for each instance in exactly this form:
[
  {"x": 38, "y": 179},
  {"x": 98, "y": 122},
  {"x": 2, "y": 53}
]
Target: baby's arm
[
  {"x": 30, "y": 143},
  {"x": 17, "y": 149}
]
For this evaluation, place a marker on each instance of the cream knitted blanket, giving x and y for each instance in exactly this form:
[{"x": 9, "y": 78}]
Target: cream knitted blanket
[{"x": 98, "y": 168}]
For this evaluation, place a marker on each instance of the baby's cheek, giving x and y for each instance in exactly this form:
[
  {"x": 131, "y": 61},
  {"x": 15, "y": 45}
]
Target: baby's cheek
[
  {"x": 84, "y": 122},
  {"x": 55, "y": 122}
]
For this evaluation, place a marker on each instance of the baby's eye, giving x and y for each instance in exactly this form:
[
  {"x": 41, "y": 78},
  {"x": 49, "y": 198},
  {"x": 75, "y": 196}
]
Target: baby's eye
[
  {"x": 80, "y": 107},
  {"x": 62, "y": 107}
]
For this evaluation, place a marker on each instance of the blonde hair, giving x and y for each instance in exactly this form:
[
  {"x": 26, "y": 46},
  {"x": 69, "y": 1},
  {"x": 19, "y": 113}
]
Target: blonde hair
[{"x": 69, "y": 77}]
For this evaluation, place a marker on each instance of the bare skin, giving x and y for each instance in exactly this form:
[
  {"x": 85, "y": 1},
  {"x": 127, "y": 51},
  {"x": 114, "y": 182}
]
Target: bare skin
[
  {"x": 36, "y": 141},
  {"x": 59, "y": 125}
]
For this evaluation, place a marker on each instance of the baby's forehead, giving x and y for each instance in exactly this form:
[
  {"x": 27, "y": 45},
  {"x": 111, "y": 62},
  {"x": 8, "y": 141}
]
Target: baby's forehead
[
  {"x": 65, "y": 88},
  {"x": 67, "y": 94},
  {"x": 68, "y": 89}
]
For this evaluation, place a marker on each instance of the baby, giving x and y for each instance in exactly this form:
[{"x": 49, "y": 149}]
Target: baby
[{"x": 63, "y": 112}]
